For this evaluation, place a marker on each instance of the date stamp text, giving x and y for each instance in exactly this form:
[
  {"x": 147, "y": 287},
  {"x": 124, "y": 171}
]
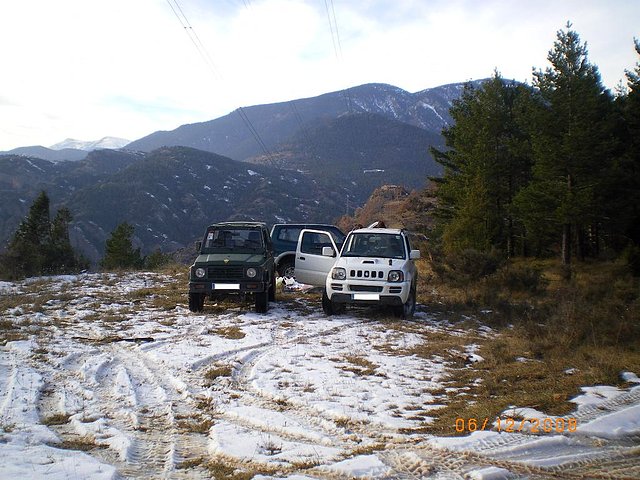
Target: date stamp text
[{"x": 513, "y": 425}]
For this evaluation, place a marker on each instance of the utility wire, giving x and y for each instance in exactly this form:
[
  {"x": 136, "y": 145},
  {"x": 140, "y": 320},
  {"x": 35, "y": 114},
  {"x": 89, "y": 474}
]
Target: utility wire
[
  {"x": 193, "y": 36},
  {"x": 337, "y": 45},
  {"x": 195, "y": 39}
]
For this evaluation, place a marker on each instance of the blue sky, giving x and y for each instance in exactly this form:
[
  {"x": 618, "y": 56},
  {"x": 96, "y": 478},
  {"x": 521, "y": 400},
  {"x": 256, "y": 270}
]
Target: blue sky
[{"x": 86, "y": 69}]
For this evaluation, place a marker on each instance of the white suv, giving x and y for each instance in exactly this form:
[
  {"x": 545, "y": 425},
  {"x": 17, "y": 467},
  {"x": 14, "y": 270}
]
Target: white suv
[{"x": 375, "y": 266}]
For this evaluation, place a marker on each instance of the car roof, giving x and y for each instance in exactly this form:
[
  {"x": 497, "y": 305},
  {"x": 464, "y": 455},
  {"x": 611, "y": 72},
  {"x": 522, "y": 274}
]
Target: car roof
[
  {"x": 304, "y": 225},
  {"x": 391, "y": 231},
  {"x": 239, "y": 224}
]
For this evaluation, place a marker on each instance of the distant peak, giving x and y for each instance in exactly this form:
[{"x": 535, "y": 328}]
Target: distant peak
[{"x": 104, "y": 142}]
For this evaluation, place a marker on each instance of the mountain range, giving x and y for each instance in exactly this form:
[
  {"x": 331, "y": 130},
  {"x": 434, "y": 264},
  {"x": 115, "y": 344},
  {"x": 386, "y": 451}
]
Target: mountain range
[
  {"x": 310, "y": 159},
  {"x": 69, "y": 149}
]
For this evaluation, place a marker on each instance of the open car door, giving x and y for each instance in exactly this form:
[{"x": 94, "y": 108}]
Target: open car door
[{"x": 316, "y": 253}]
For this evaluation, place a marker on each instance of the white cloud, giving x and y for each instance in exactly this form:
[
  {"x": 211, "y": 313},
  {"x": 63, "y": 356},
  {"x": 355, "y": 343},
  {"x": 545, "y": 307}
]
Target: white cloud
[{"x": 85, "y": 69}]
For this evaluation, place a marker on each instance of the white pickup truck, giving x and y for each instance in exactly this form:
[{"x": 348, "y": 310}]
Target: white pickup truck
[{"x": 375, "y": 266}]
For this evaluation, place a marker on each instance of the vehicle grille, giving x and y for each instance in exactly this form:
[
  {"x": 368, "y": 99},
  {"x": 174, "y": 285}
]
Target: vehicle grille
[
  {"x": 225, "y": 273},
  {"x": 365, "y": 288},
  {"x": 372, "y": 274}
]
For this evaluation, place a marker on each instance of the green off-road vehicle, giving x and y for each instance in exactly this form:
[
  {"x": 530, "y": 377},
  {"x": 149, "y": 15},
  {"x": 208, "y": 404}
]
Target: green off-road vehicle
[{"x": 235, "y": 259}]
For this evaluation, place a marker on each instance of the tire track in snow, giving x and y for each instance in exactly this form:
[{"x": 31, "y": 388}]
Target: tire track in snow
[
  {"x": 150, "y": 398},
  {"x": 422, "y": 461},
  {"x": 140, "y": 409},
  {"x": 162, "y": 402}
]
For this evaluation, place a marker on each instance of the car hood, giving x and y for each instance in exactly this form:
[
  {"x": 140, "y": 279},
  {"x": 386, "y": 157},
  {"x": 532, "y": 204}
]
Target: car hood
[
  {"x": 230, "y": 258},
  {"x": 369, "y": 261}
]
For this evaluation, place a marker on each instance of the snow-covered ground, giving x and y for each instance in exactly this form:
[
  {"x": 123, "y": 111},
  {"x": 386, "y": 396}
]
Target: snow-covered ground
[{"x": 99, "y": 380}]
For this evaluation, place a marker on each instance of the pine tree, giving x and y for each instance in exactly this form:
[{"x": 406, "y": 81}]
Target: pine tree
[
  {"x": 62, "y": 258},
  {"x": 629, "y": 185},
  {"x": 40, "y": 246},
  {"x": 487, "y": 162},
  {"x": 27, "y": 251},
  {"x": 119, "y": 251},
  {"x": 572, "y": 149}
]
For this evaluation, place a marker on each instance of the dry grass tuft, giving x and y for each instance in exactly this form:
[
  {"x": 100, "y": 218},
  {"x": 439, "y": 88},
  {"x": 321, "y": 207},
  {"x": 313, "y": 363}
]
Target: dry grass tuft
[
  {"x": 219, "y": 371},
  {"x": 232, "y": 332},
  {"x": 56, "y": 419},
  {"x": 359, "y": 365}
]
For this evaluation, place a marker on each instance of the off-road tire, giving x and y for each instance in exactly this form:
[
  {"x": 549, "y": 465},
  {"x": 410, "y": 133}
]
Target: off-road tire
[
  {"x": 196, "y": 302},
  {"x": 272, "y": 290},
  {"x": 329, "y": 307},
  {"x": 287, "y": 268},
  {"x": 406, "y": 310},
  {"x": 327, "y": 304},
  {"x": 262, "y": 302}
]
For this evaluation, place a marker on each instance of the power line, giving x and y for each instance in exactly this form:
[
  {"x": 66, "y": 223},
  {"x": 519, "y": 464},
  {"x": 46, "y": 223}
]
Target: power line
[
  {"x": 193, "y": 36},
  {"x": 204, "y": 54},
  {"x": 335, "y": 23},
  {"x": 337, "y": 45},
  {"x": 247, "y": 122}
]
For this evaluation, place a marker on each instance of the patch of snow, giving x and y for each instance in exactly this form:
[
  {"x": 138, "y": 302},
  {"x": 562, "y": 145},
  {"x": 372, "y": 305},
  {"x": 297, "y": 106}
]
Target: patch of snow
[
  {"x": 626, "y": 376},
  {"x": 137, "y": 380}
]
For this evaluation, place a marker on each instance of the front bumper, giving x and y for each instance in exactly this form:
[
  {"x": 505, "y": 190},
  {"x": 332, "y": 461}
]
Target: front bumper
[
  {"x": 368, "y": 293},
  {"x": 226, "y": 287}
]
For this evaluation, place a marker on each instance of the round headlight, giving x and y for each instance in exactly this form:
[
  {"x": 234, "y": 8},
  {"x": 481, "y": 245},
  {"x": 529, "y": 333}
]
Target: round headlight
[
  {"x": 396, "y": 276},
  {"x": 339, "y": 273},
  {"x": 200, "y": 272},
  {"x": 251, "y": 272}
]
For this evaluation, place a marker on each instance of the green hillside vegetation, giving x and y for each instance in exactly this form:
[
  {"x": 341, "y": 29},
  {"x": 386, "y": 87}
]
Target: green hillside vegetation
[
  {"x": 537, "y": 235},
  {"x": 360, "y": 152},
  {"x": 550, "y": 169},
  {"x": 41, "y": 246},
  {"x": 534, "y": 231}
]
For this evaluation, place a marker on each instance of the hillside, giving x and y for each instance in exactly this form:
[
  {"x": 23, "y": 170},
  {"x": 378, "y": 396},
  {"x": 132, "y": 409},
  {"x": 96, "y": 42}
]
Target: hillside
[
  {"x": 396, "y": 207},
  {"x": 277, "y": 122},
  {"x": 169, "y": 195},
  {"x": 323, "y": 157},
  {"x": 359, "y": 152}
]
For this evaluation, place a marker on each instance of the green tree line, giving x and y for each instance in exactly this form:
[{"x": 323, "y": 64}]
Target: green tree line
[
  {"x": 551, "y": 168},
  {"x": 41, "y": 246}
]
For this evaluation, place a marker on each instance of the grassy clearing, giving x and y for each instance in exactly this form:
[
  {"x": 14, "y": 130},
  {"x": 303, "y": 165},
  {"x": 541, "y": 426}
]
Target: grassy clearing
[{"x": 552, "y": 336}]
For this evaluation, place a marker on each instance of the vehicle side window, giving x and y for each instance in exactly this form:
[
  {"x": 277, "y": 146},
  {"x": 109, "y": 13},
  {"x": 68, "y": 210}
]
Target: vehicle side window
[
  {"x": 313, "y": 243},
  {"x": 289, "y": 234}
]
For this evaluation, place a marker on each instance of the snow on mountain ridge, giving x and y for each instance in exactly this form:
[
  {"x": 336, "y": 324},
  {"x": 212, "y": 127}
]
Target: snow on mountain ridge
[{"x": 105, "y": 142}]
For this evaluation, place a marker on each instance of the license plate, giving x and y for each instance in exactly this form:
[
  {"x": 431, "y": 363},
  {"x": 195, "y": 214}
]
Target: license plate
[
  {"x": 366, "y": 296},
  {"x": 226, "y": 286}
]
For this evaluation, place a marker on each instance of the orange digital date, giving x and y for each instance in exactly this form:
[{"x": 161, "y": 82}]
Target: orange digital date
[{"x": 512, "y": 425}]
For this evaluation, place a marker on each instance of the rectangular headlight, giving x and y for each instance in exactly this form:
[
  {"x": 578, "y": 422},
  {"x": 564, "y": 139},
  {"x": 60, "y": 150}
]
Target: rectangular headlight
[{"x": 339, "y": 273}]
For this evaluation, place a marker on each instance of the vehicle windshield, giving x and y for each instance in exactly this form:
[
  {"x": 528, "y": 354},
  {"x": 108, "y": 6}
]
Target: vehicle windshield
[
  {"x": 240, "y": 240},
  {"x": 379, "y": 245}
]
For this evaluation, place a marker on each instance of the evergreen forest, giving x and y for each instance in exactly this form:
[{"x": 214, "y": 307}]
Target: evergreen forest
[{"x": 547, "y": 169}]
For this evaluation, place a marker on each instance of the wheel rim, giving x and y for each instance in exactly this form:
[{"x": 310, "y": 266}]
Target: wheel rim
[{"x": 289, "y": 271}]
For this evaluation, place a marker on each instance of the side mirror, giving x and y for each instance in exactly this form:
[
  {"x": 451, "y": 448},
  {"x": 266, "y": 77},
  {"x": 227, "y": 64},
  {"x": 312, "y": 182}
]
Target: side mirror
[
  {"x": 327, "y": 252},
  {"x": 414, "y": 254},
  {"x": 198, "y": 246}
]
